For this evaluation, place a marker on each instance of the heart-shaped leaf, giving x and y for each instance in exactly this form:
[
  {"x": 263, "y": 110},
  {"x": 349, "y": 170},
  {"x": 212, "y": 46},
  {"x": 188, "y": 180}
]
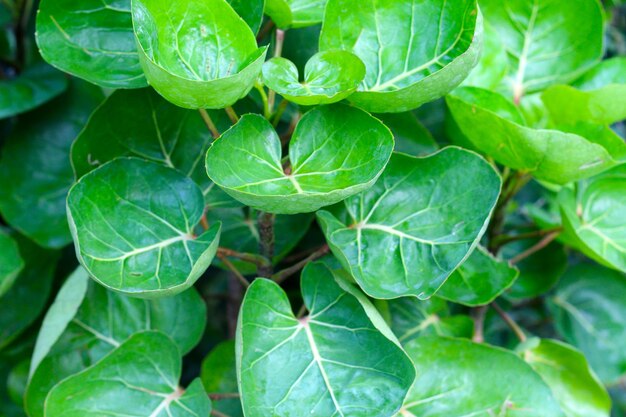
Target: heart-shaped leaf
[
  {"x": 335, "y": 152},
  {"x": 11, "y": 262},
  {"x": 138, "y": 378},
  {"x": 219, "y": 376},
  {"x": 593, "y": 214},
  {"x": 329, "y": 77},
  {"x": 159, "y": 255},
  {"x": 86, "y": 322},
  {"x": 456, "y": 377},
  {"x": 196, "y": 54},
  {"x": 410, "y": 56},
  {"x": 567, "y": 373},
  {"x": 339, "y": 360},
  {"x": 251, "y": 11},
  {"x": 295, "y": 13},
  {"x": 417, "y": 224},
  {"x": 91, "y": 39},
  {"x": 494, "y": 125},
  {"x": 480, "y": 280}
]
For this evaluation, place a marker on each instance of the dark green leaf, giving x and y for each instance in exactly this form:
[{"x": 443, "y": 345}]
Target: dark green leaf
[
  {"x": 251, "y": 11},
  {"x": 11, "y": 262},
  {"x": 410, "y": 135},
  {"x": 219, "y": 376}
]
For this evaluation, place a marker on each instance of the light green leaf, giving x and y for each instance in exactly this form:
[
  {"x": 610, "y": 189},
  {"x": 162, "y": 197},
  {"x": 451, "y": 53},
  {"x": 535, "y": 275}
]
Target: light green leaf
[
  {"x": 593, "y": 214},
  {"x": 90, "y": 39},
  {"x": 567, "y": 373},
  {"x": 493, "y": 64},
  {"x": 33, "y": 87},
  {"x": 335, "y": 152},
  {"x": 417, "y": 224},
  {"x": 133, "y": 226},
  {"x": 547, "y": 43},
  {"x": 409, "y": 133},
  {"x": 196, "y": 54},
  {"x": 589, "y": 309},
  {"x": 86, "y": 322},
  {"x": 456, "y": 377},
  {"x": 494, "y": 125},
  {"x": 138, "y": 378},
  {"x": 11, "y": 262},
  {"x": 329, "y": 77},
  {"x": 251, "y": 11},
  {"x": 479, "y": 280},
  {"x": 35, "y": 172},
  {"x": 411, "y": 57},
  {"x": 339, "y": 360},
  {"x": 219, "y": 376},
  {"x": 295, "y": 13}
]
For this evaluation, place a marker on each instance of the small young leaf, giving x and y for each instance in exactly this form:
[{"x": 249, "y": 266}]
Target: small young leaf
[
  {"x": 219, "y": 376},
  {"x": 11, "y": 262},
  {"x": 411, "y": 58},
  {"x": 295, "y": 13},
  {"x": 196, "y": 54},
  {"x": 138, "y": 378},
  {"x": 339, "y": 360},
  {"x": 417, "y": 224},
  {"x": 158, "y": 254},
  {"x": 336, "y": 151}
]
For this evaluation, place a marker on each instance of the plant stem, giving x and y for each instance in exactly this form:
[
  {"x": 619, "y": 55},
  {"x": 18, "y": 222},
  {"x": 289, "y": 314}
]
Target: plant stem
[
  {"x": 279, "y": 112},
  {"x": 258, "y": 260},
  {"x": 217, "y": 396},
  {"x": 232, "y": 115},
  {"x": 216, "y": 413},
  {"x": 242, "y": 280},
  {"x": 281, "y": 276},
  {"x": 265, "y": 30},
  {"x": 266, "y": 242},
  {"x": 536, "y": 248},
  {"x": 209, "y": 123},
  {"x": 512, "y": 185},
  {"x": 503, "y": 239},
  {"x": 479, "y": 314},
  {"x": 263, "y": 94},
  {"x": 278, "y": 50},
  {"x": 510, "y": 322},
  {"x": 204, "y": 222}
]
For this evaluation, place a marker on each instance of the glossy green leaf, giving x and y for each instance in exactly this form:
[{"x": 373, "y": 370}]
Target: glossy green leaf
[
  {"x": 547, "y": 43},
  {"x": 339, "y": 360},
  {"x": 335, "y": 152},
  {"x": 138, "y": 378},
  {"x": 196, "y": 54},
  {"x": 35, "y": 172},
  {"x": 589, "y": 309},
  {"x": 411, "y": 57},
  {"x": 132, "y": 223},
  {"x": 33, "y": 87},
  {"x": 295, "y": 13},
  {"x": 417, "y": 224},
  {"x": 86, "y": 322},
  {"x": 329, "y": 77},
  {"x": 479, "y": 280},
  {"x": 493, "y": 64},
  {"x": 494, "y": 125},
  {"x": 91, "y": 39},
  {"x": 11, "y": 262},
  {"x": 251, "y": 11},
  {"x": 410, "y": 135},
  {"x": 219, "y": 376},
  {"x": 567, "y": 373},
  {"x": 456, "y": 377},
  {"x": 593, "y": 213}
]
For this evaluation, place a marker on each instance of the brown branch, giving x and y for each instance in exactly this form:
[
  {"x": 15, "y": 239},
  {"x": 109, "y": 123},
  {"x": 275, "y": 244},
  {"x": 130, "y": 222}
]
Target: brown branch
[
  {"x": 232, "y": 115},
  {"x": 479, "y": 314},
  {"x": 265, "y": 224},
  {"x": 217, "y": 396},
  {"x": 510, "y": 322},
  {"x": 209, "y": 123},
  {"x": 258, "y": 260},
  {"x": 536, "y": 248},
  {"x": 265, "y": 30},
  {"x": 234, "y": 270},
  {"x": 504, "y": 240},
  {"x": 281, "y": 276}
]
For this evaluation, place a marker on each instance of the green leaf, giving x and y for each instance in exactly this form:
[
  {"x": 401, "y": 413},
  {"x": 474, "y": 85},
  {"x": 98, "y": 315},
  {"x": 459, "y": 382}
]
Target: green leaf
[
  {"x": 219, "y": 376},
  {"x": 295, "y": 13},
  {"x": 417, "y": 224},
  {"x": 35, "y": 172},
  {"x": 567, "y": 373},
  {"x": 138, "y": 378},
  {"x": 339, "y": 360},
  {"x": 329, "y": 77},
  {"x": 86, "y": 322},
  {"x": 132, "y": 223},
  {"x": 335, "y": 152},
  {"x": 593, "y": 213},
  {"x": 589, "y": 309},
  {"x": 33, "y": 87},
  {"x": 11, "y": 262},
  {"x": 494, "y": 125},
  {"x": 479, "y": 280},
  {"x": 456, "y": 377},
  {"x": 410, "y": 56},
  {"x": 196, "y": 54},
  {"x": 547, "y": 43},
  {"x": 91, "y": 39},
  {"x": 493, "y": 64},
  {"x": 410, "y": 135},
  {"x": 251, "y": 11}
]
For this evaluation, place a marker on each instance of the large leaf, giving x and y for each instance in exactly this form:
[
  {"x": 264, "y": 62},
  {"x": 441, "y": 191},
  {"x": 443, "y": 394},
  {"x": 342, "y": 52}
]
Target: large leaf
[
  {"x": 456, "y": 377},
  {"x": 417, "y": 224},
  {"x": 329, "y": 77},
  {"x": 33, "y": 87},
  {"x": 11, "y": 262},
  {"x": 197, "y": 54},
  {"x": 409, "y": 133},
  {"x": 495, "y": 126},
  {"x": 493, "y": 64},
  {"x": 87, "y": 321},
  {"x": 91, "y": 39},
  {"x": 295, "y": 13},
  {"x": 567, "y": 373},
  {"x": 414, "y": 52},
  {"x": 35, "y": 172},
  {"x": 138, "y": 378},
  {"x": 251, "y": 11},
  {"x": 547, "y": 42},
  {"x": 133, "y": 226},
  {"x": 593, "y": 213},
  {"x": 335, "y": 152},
  {"x": 480, "y": 280},
  {"x": 589, "y": 311},
  {"x": 339, "y": 360},
  {"x": 219, "y": 376}
]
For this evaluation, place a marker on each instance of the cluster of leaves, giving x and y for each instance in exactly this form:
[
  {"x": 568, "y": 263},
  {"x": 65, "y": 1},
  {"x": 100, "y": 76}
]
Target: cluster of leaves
[{"x": 447, "y": 178}]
